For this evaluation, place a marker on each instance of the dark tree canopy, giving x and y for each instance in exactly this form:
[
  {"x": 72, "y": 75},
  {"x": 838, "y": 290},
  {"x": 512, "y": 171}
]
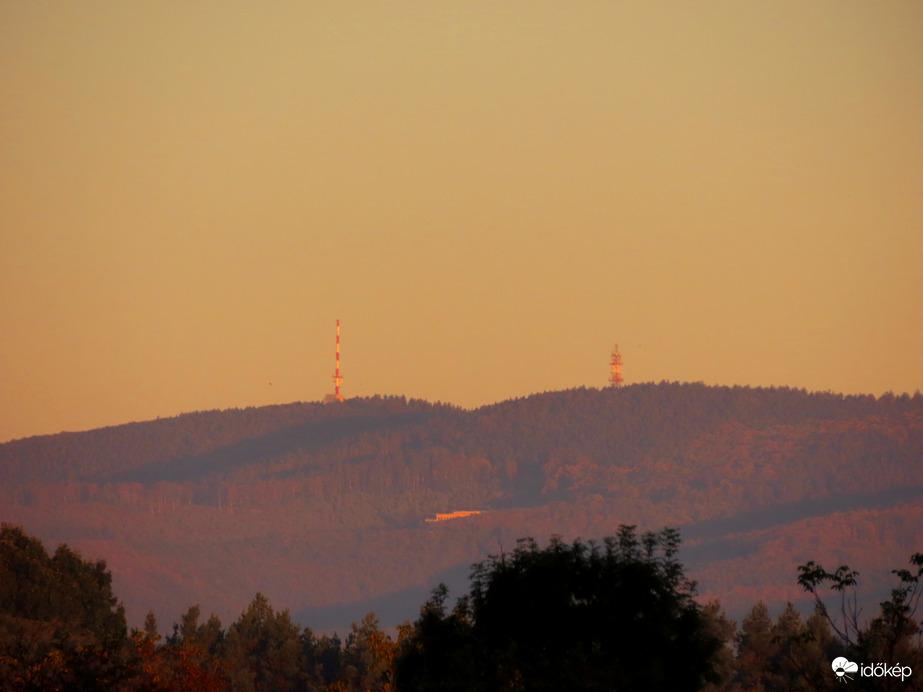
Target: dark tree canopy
[
  {"x": 591, "y": 616},
  {"x": 61, "y": 627},
  {"x": 614, "y": 615},
  {"x": 893, "y": 638}
]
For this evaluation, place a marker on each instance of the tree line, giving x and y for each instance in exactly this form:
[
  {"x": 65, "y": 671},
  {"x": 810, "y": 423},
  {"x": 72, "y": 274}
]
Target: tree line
[{"x": 617, "y": 614}]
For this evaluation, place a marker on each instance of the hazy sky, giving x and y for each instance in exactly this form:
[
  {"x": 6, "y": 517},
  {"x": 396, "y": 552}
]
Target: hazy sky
[{"x": 489, "y": 195}]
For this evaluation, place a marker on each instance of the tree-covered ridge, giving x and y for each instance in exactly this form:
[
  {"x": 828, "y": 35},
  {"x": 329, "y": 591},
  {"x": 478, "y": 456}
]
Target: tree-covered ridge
[
  {"x": 528, "y": 447},
  {"x": 337, "y": 496},
  {"x": 616, "y": 424},
  {"x": 698, "y": 452},
  {"x": 117, "y": 450}
]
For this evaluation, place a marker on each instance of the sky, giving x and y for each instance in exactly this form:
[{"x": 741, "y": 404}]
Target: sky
[{"x": 488, "y": 195}]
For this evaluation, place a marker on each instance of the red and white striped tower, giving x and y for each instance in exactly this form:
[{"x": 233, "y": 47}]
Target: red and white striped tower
[
  {"x": 615, "y": 376},
  {"x": 337, "y": 380}
]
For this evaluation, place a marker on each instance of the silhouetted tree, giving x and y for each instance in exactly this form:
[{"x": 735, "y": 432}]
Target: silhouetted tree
[
  {"x": 755, "y": 650},
  {"x": 612, "y": 616},
  {"x": 61, "y": 627},
  {"x": 893, "y": 637},
  {"x": 719, "y": 627},
  {"x": 264, "y": 649},
  {"x": 439, "y": 651},
  {"x": 370, "y": 654}
]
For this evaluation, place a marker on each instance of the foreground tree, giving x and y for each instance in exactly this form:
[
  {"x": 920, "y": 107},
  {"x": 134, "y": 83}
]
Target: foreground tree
[
  {"x": 61, "y": 627},
  {"x": 719, "y": 627},
  {"x": 264, "y": 649},
  {"x": 788, "y": 655},
  {"x": 612, "y": 616},
  {"x": 439, "y": 651},
  {"x": 893, "y": 637},
  {"x": 369, "y": 656},
  {"x": 188, "y": 660},
  {"x": 176, "y": 666}
]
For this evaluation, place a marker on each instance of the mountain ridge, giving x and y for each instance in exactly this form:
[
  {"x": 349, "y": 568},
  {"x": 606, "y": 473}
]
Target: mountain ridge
[{"x": 323, "y": 506}]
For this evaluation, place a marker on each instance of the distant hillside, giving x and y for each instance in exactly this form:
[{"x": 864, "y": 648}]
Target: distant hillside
[{"x": 324, "y": 506}]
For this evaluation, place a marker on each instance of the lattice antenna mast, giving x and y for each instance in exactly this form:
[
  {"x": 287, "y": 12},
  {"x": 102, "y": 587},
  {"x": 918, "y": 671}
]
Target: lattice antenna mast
[
  {"x": 337, "y": 380},
  {"x": 615, "y": 375}
]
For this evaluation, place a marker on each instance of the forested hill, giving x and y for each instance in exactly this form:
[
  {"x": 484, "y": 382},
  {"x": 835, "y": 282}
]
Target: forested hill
[
  {"x": 326, "y": 504},
  {"x": 117, "y": 451},
  {"x": 615, "y": 426}
]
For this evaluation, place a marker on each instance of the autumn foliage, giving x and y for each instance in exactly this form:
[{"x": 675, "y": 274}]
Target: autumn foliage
[{"x": 615, "y": 614}]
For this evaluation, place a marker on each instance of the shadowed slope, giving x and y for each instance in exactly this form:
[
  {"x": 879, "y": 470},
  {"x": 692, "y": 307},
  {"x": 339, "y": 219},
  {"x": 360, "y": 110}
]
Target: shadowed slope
[{"x": 306, "y": 438}]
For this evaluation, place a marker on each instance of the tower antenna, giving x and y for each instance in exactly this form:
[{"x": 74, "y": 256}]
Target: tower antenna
[
  {"x": 615, "y": 375},
  {"x": 337, "y": 380}
]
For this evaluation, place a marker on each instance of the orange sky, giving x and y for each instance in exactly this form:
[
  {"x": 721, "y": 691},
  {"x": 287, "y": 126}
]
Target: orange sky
[{"x": 487, "y": 194}]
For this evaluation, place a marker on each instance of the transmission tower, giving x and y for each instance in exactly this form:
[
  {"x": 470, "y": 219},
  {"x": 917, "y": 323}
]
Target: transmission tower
[
  {"x": 615, "y": 363},
  {"x": 337, "y": 380}
]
